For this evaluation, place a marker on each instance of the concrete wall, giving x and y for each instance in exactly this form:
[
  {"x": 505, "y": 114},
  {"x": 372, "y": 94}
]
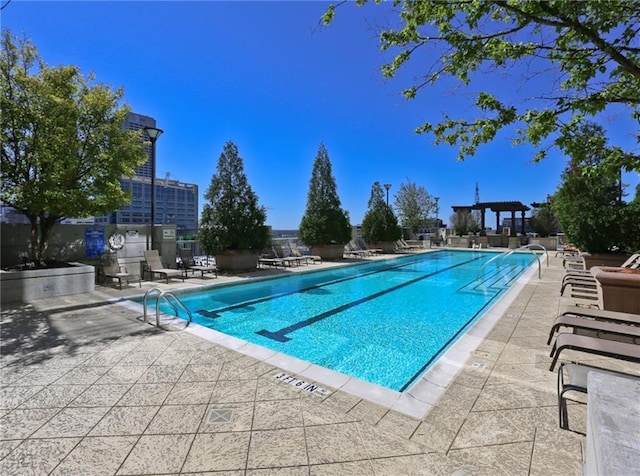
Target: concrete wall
[
  {"x": 25, "y": 286},
  {"x": 76, "y": 243}
]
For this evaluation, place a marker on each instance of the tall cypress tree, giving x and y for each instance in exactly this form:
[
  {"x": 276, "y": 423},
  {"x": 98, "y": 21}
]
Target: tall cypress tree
[
  {"x": 324, "y": 221},
  {"x": 379, "y": 223},
  {"x": 232, "y": 219}
]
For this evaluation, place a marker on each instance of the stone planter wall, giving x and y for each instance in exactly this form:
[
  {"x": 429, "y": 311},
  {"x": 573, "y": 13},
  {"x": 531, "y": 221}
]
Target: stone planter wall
[
  {"x": 237, "y": 261},
  {"x": 25, "y": 286},
  {"x": 603, "y": 259},
  {"x": 618, "y": 289},
  {"x": 328, "y": 252},
  {"x": 385, "y": 246}
]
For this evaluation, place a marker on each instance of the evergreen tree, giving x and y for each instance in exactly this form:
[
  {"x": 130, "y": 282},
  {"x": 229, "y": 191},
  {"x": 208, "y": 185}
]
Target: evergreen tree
[
  {"x": 324, "y": 221},
  {"x": 232, "y": 219},
  {"x": 379, "y": 223}
]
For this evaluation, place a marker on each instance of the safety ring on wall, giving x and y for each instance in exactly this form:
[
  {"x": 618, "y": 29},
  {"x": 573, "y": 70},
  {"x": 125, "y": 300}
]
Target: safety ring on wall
[{"x": 116, "y": 242}]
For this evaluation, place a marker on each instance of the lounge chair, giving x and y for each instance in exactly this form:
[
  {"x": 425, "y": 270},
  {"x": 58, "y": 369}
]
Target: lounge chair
[
  {"x": 595, "y": 345},
  {"x": 573, "y": 377},
  {"x": 296, "y": 252},
  {"x": 600, "y": 314},
  {"x": 363, "y": 246},
  {"x": 111, "y": 268},
  {"x": 279, "y": 253},
  {"x": 581, "y": 283},
  {"x": 154, "y": 266},
  {"x": 269, "y": 259},
  {"x": 404, "y": 246},
  {"x": 189, "y": 263},
  {"x": 619, "y": 328},
  {"x": 351, "y": 250}
]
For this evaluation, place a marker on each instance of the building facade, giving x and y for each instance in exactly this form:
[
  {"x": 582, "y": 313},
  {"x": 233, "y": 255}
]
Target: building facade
[
  {"x": 136, "y": 122},
  {"x": 176, "y": 202}
]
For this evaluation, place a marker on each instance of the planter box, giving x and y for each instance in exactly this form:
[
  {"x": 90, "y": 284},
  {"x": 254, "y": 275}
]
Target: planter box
[
  {"x": 328, "y": 252},
  {"x": 236, "y": 261},
  {"x": 25, "y": 286},
  {"x": 603, "y": 259},
  {"x": 618, "y": 289},
  {"x": 385, "y": 246}
]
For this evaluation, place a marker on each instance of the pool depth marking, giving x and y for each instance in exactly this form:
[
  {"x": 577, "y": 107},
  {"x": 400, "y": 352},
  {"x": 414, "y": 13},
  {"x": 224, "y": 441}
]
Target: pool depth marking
[{"x": 281, "y": 335}]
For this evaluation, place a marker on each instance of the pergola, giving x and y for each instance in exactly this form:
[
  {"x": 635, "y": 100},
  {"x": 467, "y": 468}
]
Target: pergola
[{"x": 496, "y": 207}]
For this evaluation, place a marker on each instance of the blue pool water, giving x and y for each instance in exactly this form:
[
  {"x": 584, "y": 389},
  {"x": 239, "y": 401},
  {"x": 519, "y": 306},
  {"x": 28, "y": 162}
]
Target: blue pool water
[{"x": 384, "y": 322}]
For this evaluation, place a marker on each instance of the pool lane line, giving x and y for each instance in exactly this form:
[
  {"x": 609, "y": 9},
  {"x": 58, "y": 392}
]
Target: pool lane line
[
  {"x": 213, "y": 314},
  {"x": 281, "y": 334}
]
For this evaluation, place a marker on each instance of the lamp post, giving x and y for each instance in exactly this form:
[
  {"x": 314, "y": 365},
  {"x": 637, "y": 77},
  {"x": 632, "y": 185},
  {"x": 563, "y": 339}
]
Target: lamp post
[
  {"x": 387, "y": 186},
  {"x": 153, "y": 134},
  {"x": 437, "y": 210}
]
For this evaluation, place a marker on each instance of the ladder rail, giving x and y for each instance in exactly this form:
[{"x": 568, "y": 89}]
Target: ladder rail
[
  {"x": 504, "y": 254},
  {"x": 163, "y": 296}
]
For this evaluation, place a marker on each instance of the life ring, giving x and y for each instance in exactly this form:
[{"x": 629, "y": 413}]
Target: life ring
[{"x": 116, "y": 241}]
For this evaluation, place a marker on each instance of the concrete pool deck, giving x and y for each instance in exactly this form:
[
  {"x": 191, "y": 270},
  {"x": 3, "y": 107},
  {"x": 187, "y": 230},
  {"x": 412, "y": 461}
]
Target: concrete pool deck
[{"x": 87, "y": 388}]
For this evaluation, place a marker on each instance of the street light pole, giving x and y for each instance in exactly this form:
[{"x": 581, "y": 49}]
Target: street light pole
[
  {"x": 153, "y": 134},
  {"x": 387, "y": 186}
]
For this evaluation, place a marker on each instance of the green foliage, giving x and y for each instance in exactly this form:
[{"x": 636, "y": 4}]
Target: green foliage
[
  {"x": 587, "y": 49},
  {"x": 589, "y": 206},
  {"x": 544, "y": 221},
  {"x": 379, "y": 223},
  {"x": 232, "y": 218},
  {"x": 464, "y": 222},
  {"x": 414, "y": 205},
  {"x": 63, "y": 149},
  {"x": 324, "y": 221}
]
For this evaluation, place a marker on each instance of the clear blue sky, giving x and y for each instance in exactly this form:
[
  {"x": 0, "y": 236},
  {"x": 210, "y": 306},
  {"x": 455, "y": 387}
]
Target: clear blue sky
[{"x": 269, "y": 77}]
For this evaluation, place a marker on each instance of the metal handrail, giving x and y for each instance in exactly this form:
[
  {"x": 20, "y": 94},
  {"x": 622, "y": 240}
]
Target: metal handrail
[
  {"x": 163, "y": 295},
  {"x": 168, "y": 294},
  {"x": 504, "y": 254},
  {"x": 144, "y": 301}
]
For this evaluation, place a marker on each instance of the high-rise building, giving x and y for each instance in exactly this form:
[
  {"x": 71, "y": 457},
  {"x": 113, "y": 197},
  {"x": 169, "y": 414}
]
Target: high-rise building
[
  {"x": 135, "y": 122},
  {"x": 176, "y": 202}
]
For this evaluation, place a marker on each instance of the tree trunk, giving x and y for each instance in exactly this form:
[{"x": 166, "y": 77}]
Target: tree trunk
[
  {"x": 46, "y": 225},
  {"x": 33, "y": 238}
]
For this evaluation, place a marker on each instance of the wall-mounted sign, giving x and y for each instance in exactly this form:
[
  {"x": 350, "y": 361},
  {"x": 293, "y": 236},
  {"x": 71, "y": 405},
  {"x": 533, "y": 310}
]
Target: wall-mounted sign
[
  {"x": 169, "y": 233},
  {"x": 94, "y": 244}
]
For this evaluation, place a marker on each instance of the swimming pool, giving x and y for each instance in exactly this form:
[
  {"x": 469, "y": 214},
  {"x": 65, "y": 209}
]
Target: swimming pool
[{"x": 383, "y": 322}]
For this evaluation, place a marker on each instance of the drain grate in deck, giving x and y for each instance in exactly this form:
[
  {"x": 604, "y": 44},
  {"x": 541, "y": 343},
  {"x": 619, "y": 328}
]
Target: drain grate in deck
[{"x": 220, "y": 415}]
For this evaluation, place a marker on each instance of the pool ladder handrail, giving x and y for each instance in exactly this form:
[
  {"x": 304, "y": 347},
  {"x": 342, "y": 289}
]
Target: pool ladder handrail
[
  {"x": 504, "y": 254},
  {"x": 163, "y": 295}
]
